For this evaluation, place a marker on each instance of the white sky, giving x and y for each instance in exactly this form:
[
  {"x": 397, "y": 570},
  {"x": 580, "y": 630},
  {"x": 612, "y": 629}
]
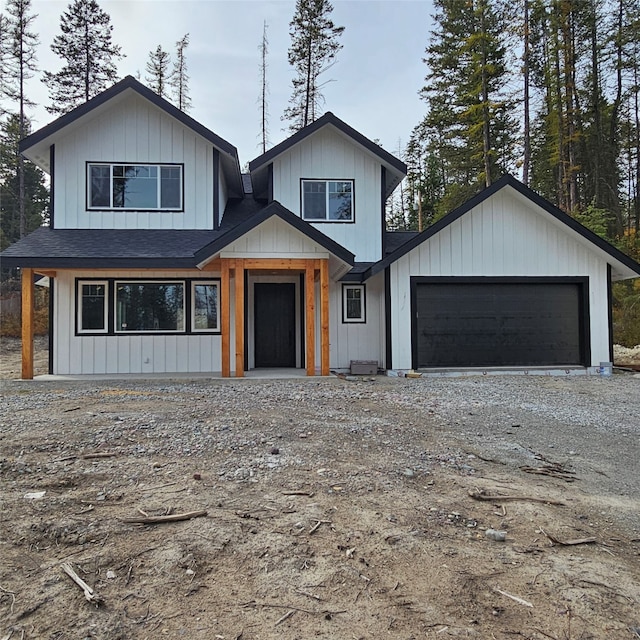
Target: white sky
[{"x": 374, "y": 84}]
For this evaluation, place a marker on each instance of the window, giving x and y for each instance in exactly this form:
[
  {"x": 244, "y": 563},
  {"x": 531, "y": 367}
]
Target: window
[
  {"x": 92, "y": 307},
  {"x": 145, "y": 307},
  {"x": 135, "y": 187},
  {"x": 327, "y": 200},
  {"x": 204, "y": 306},
  {"x": 353, "y": 303}
]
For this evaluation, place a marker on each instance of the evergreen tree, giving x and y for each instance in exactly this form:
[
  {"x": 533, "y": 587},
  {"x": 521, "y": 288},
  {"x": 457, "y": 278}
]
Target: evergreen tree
[
  {"x": 90, "y": 56},
  {"x": 22, "y": 66},
  {"x": 5, "y": 61},
  {"x": 313, "y": 50},
  {"x": 469, "y": 127},
  {"x": 36, "y": 194},
  {"x": 179, "y": 79},
  {"x": 264, "y": 90},
  {"x": 158, "y": 72}
]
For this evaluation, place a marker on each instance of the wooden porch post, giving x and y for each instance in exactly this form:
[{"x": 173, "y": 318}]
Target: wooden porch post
[
  {"x": 309, "y": 285},
  {"x": 239, "y": 296},
  {"x": 324, "y": 317},
  {"x": 225, "y": 322},
  {"x": 27, "y": 323}
]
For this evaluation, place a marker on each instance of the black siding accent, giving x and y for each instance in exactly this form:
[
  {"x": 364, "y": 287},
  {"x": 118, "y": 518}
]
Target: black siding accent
[
  {"x": 387, "y": 319},
  {"x": 303, "y": 316},
  {"x": 216, "y": 189},
  {"x": 246, "y": 319},
  {"x": 383, "y": 200},
  {"x": 51, "y": 319},
  {"x": 52, "y": 183},
  {"x": 610, "y": 311},
  {"x": 270, "y": 183}
]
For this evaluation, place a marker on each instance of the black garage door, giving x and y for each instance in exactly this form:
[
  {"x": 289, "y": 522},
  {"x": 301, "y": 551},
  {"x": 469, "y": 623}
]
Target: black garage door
[{"x": 481, "y": 322}]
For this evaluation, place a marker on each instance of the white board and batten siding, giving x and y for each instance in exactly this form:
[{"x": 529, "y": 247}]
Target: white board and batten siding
[
  {"x": 330, "y": 156},
  {"x": 122, "y": 354},
  {"x": 502, "y": 236},
  {"x": 133, "y": 131}
]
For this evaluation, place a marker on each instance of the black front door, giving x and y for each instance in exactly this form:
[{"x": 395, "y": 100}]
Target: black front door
[{"x": 275, "y": 324}]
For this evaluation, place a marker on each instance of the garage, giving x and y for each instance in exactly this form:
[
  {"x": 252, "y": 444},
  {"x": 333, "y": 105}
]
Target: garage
[{"x": 499, "y": 322}]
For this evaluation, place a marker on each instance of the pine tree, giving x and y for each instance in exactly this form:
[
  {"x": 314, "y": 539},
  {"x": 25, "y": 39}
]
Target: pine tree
[
  {"x": 36, "y": 194},
  {"x": 158, "y": 71},
  {"x": 469, "y": 125},
  {"x": 264, "y": 90},
  {"x": 90, "y": 56},
  {"x": 179, "y": 79},
  {"x": 313, "y": 50},
  {"x": 22, "y": 66}
]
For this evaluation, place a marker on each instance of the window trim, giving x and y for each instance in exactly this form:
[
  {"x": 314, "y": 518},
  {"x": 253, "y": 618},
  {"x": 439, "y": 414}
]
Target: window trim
[
  {"x": 363, "y": 315},
  {"x": 79, "y": 284},
  {"x": 111, "y": 307},
  {"x": 192, "y": 305},
  {"x": 159, "y": 165},
  {"x": 328, "y": 220}
]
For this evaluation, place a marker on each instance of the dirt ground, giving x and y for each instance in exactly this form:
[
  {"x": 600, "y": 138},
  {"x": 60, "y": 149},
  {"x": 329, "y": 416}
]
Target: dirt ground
[{"x": 334, "y": 509}]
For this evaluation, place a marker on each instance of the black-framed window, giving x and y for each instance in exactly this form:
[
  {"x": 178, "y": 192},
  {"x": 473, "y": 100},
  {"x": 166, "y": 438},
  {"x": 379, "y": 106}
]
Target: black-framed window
[
  {"x": 135, "y": 187},
  {"x": 118, "y": 306},
  {"x": 353, "y": 303},
  {"x": 327, "y": 200},
  {"x": 92, "y": 306}
]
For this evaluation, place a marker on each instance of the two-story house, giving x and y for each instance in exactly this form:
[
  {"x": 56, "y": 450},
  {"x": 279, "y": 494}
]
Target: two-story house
[{"x": 164, "y": 258}]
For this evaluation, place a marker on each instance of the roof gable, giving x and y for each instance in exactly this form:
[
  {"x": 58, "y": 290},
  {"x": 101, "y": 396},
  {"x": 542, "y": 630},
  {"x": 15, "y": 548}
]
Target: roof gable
[
  {"x": 36, "y": 146},
  {"x": 624, "y": 266},
  {"x": 396, "y": 169}
]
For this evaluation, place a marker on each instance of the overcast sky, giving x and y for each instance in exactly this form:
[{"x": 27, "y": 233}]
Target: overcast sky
[{"x": 374, "y": 84}]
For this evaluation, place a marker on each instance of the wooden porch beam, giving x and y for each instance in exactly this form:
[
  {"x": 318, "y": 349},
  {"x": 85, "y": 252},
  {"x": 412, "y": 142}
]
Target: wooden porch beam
[
  {"x": 239, "y": 298},
  {"x": 285, "y": 264},
  {"x": 225, "y": 318},
  {"x": 28, "y": 295},
  {"x": 309, "y": 286},
  {"x": 46, "y": 272},
  {"x": 324, "y": 317}
]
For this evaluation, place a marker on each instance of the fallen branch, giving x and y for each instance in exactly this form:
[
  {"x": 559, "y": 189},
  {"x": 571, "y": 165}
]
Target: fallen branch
[
  {"x": 284, "y": 617},
  {"x": 310, "y": 494},
  {"x": 567, "y": 543},
  {"x": 554, "y": 470},
  {"x": 89, "y": 593},
  {"x": 515, "y": 598},
  {"x": 12, "y": 595},
  {"x": 176, "y": 517},
  {"x": 479, "y": 494},
  {"x": 317, "y": 525}
]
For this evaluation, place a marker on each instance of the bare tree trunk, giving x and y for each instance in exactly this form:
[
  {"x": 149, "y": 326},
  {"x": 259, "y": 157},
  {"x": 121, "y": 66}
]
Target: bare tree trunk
[{"x": 526, "y": 161}]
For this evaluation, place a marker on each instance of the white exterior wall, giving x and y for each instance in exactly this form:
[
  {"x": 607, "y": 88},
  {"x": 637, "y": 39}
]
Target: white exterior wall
[
  {"x": 503, "y": 236},
  {"x": 356, "y": 341},
  {"x": 133, "y": 131},
  {"x": 127, "y": 353},
  {"x": 328, "y": 155}
]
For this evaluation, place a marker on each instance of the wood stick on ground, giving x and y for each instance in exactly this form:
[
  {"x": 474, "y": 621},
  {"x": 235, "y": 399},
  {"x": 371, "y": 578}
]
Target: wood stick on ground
[
  {"x": 98, "y": 456},
  {"x": 317, "y": 525},
  {"x": 284, "y": 617},
  {"x": 479, "y": 494},
  {"x": 310, "y": 494},
  {"x": 515, "y": 598},
  {"x": 567, "y": 543},
  {"x": 13, "y": 597},
  {"x": 176, "y": 517},
  {"x": 89, "y": 593}
]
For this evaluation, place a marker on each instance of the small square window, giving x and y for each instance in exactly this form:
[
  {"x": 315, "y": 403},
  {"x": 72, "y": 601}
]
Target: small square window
[
  {"x": 353, "y": 303},
  {"x": 327, "y": 200}
]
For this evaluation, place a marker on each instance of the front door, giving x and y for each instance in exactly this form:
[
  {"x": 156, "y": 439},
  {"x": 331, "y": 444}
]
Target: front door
[{"x": 275, "y": 324}]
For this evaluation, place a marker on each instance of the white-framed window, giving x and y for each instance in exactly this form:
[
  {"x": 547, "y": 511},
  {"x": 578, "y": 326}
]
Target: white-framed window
[
  {"x": 205, "y": 305},
  {"x": 149, "y": 307},
  {"x": 92, "y": 307},
  {"x": 353, "y": 303},
  {"x": 327, "y": 200},
  {"x": 135, "y": 187}
]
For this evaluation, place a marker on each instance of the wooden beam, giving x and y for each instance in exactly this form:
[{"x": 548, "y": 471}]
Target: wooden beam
[
  {"x": 225, "y": 322},
  {"x": 285, "y": 264},
  {"x": 214, "y": 265},
  {"x": 239, "y": 296},
  {"x": 310, "y": 316},
  {"x": 46, "y": 272},
  {"x": 27, "y": 323},
  {"x": 324, "y": 317}
]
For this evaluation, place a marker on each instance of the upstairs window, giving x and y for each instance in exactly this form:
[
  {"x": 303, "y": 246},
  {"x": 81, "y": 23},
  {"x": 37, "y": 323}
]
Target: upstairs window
[
  {"x": 327, "y": 200},
  {"x": 136, "y": 187}
]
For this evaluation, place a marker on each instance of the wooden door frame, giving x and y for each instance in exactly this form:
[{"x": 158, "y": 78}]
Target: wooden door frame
[{"x": 313, "y": 268}]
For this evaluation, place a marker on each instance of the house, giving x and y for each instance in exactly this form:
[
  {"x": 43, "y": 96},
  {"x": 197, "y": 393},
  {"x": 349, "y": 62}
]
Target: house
[{"x": 164, "y": 258}]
